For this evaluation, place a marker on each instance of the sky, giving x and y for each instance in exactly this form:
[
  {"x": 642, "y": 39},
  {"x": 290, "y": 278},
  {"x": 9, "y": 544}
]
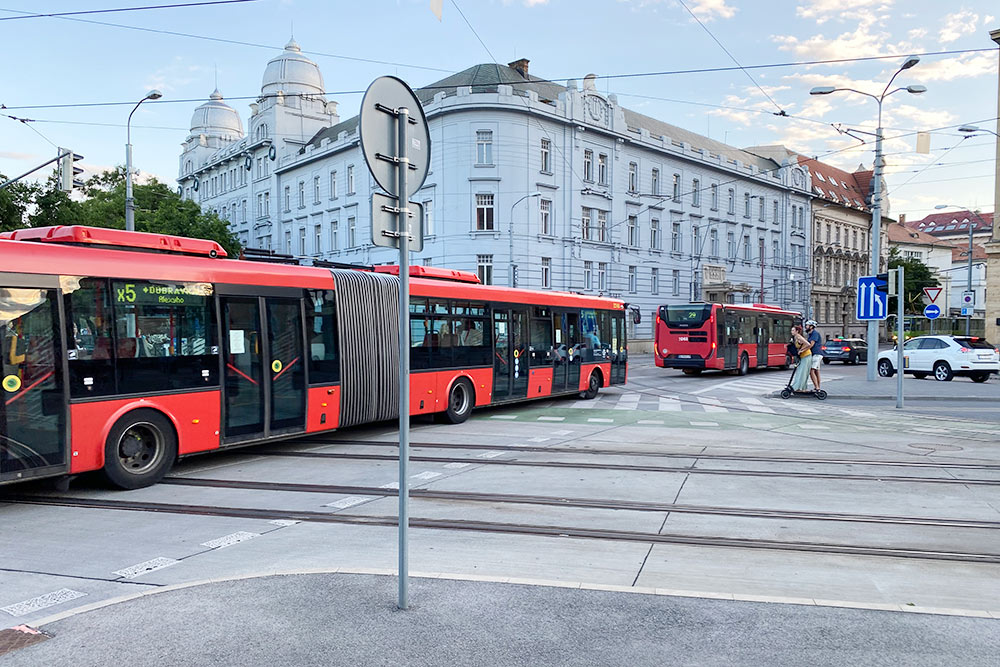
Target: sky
[{"x": 77, "y": 78}]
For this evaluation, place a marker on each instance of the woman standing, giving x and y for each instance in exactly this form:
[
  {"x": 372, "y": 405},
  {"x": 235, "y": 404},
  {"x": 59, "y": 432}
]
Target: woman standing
[{"x": 800, "y": 381}]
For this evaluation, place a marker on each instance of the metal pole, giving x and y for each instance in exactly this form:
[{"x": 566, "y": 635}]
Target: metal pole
[
  {"x": 900, "y": 293},
  {"x": 403, "y": 227},
  {"x": 34, "y": 169},
  {"x": 129, "y": 204},
  {"x": 510, "y": 243},
  {"x": 873, "y": 325},
  {"x": 968, "y": 318}
]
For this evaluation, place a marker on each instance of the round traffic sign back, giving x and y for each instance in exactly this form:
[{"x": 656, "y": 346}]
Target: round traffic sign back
[
  {"x": 931, "y": 312},
  {"x": 379, "y": 134}
]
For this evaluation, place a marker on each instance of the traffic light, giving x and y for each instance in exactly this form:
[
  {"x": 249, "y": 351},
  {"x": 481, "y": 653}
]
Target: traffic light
[
  {"x": 891, "y": 280},
  {"x": 68, "y": 171}
]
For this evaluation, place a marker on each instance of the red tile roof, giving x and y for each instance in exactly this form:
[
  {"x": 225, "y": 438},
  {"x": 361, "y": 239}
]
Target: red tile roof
[
  {"x": 978, "y": 252},
  {"x": 837, "y": 185},
  {"x": 904, "y": 234},
  {"x": 948, "y": 223}
]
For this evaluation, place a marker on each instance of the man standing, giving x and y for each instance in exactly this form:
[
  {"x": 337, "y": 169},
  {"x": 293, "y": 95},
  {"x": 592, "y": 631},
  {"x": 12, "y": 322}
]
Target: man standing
[{"x": 817, "y": 351}]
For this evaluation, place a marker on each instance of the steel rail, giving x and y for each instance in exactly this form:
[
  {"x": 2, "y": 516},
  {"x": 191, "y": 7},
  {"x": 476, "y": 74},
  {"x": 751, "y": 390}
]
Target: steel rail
[{"x": 512, "y": 529}]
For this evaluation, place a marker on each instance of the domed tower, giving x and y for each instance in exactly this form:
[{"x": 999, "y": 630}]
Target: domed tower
[
  {"x": 292, "y": 105},
  {"x": 214, "y": 124}
]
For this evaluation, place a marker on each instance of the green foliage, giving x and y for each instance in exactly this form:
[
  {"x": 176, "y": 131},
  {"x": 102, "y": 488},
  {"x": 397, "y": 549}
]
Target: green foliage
[
  {"x": 158, "y": 209},
  {"x": 916, "y": 276}
]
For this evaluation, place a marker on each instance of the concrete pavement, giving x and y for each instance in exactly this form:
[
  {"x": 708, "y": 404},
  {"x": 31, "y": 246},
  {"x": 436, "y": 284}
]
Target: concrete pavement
[{"x": 351, "y": 619}]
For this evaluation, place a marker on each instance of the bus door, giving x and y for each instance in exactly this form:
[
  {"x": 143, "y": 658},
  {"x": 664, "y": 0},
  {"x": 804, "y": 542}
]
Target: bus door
[
  {"x": 511, "y": 360},
  {"x": 619, "y": 351},
  {"x": 32, "y": 392},
  {"x": 729, "y": 338},
  {"x": 264, "y": 367},
  {"x": 763, "y": 340},
  {"x": 574, "y": 350}
]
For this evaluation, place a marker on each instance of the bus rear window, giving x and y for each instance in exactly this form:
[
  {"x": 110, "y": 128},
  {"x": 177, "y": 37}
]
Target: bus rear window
[{"x": 685, "y": 316}]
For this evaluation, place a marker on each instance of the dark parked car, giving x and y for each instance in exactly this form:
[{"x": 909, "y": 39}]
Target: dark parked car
[{"x": 848, "y": 350}]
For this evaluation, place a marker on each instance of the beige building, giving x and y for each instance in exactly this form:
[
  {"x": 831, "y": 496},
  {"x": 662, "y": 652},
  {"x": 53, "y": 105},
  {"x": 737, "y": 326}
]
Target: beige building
[{"x": 993, "y": 247}]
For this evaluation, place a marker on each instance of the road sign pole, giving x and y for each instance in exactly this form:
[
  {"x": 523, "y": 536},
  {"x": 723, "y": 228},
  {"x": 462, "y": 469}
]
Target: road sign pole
[
  {"x": 403, "y": 228},
  {"x": 900, "y": 293}
]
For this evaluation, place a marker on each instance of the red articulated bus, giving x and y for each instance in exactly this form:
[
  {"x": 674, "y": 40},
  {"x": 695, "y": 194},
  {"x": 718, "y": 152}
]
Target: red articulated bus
[
  {"x": 122, "y": 351},
  {"x": 699, "y": 336}
]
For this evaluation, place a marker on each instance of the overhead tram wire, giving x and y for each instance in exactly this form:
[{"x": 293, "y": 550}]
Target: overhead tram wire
[
  {"x": 121, "y": 9},
  {"x": 780, "y": 112}
]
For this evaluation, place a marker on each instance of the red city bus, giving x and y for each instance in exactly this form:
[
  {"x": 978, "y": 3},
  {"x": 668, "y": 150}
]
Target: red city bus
[
  {"x": 122, "y": 351},
  {"x": 699, "y": 336}
]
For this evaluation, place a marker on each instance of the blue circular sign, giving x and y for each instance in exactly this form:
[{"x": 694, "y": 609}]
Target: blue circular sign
[{"x": 931, "y": 312}]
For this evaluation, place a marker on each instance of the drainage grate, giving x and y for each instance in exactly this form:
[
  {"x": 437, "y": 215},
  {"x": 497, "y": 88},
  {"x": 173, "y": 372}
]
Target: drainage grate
[{"x": 12, "y": 639}]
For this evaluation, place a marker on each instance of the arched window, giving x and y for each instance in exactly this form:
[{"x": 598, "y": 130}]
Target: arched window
[{"x": 262, "y": 131}]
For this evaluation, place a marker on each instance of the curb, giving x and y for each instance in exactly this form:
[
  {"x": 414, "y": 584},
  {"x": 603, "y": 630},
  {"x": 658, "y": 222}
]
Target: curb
[
  {"x": 635, "y": 590},
  {"x": 856, "y": 397}
]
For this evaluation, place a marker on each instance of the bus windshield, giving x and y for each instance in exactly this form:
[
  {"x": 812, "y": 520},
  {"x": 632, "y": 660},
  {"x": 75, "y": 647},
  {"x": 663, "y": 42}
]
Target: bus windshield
[{"x": 685, "y": 316}]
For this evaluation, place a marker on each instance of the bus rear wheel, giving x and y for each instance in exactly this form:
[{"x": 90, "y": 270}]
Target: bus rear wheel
[
  {"x": 744, "y": 366},
  {"x": 140, "y": 449},
  {"x": 593, "y": 386},
  {"x": 460, "y": 401}
]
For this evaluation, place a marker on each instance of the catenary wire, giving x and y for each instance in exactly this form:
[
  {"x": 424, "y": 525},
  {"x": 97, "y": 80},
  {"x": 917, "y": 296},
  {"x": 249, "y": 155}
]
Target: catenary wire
[{"x": 121, "y": 9}]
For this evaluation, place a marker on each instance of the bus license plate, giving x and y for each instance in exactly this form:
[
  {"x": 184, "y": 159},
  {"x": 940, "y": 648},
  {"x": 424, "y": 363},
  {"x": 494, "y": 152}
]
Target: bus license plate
[{"x": 683, "y": 356}]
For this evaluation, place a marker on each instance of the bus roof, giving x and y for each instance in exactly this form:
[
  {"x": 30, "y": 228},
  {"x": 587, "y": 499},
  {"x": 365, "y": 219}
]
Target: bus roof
[{"x": 82, "y": 235}]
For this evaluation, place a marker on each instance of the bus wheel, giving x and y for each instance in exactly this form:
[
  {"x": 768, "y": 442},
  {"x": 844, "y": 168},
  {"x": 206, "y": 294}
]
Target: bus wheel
[
  {"x": 140, "y": 449},
  {"x": 593, "y": 386},
  {"x": 460, "y": 401},
  {"x": 691, "y": 371},
  {"x": 744, "y": 365}
]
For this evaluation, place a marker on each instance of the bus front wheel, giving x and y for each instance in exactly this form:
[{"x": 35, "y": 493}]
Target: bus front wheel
[
  {"x": 744, "y": 367},
  {"x": 140, "y": 449},
  {"x": 460, "y": 401},
  {"x": 593, "y": 386}
]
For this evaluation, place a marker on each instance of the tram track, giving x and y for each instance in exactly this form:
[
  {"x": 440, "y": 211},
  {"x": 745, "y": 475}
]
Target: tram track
[
  {"x": 953, "y": 465},
  {"x": 582, "y": 503},
  {"x": 623, "y": 467},
  {"x": 565, "y": 532}
]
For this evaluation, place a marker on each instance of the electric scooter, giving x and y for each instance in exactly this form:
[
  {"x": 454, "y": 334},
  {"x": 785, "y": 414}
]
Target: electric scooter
[{"x": 788, "y": 392}]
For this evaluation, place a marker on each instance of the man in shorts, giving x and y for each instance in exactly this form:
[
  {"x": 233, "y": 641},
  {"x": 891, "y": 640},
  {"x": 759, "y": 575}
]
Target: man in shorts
[{"x": 817, "y": 352}]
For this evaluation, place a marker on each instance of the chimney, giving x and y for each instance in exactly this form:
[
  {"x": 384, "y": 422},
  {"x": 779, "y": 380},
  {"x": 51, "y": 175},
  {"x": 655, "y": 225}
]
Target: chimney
[
  {"x": 902, "y": 218},
  {"x": 520, "y": 66}
]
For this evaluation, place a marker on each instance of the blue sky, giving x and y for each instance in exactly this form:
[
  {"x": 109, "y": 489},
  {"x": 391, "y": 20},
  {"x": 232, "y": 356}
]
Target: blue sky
[{"x": 53, "y": 61}]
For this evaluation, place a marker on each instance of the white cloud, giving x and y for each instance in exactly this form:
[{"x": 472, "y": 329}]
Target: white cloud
[
  {"x": 175, "y": 75},
  {"x": 965, "y": 66},
  {"x": 917, "y": 33},
  {"x": 865, "y": 40},
  {"x": 824, "y": 10},
  {"x": 532, "y": 3},
  {"x": 708, "y": 10},
  {"x": 955, "y": 25}
]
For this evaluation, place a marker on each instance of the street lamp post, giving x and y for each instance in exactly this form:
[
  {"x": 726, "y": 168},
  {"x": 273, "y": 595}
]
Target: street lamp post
[
  {"x": 511, "y": 279},
  {"x": 129, "y": 203},
  {"x": 876, "y": 190},
  {"x": 968, "y": 318}
]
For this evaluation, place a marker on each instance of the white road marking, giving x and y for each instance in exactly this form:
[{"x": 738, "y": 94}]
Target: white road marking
[
  {"x": 145, "y": 567},
  {"x": 715, "y": 408},
  {"x": 562, "y": 432},
  {"x": 390, "y": 485},
  {"x": 669, "y": 405},
  {"x": 229, "y": 540},
  {"x": 599, "y": 420},
  {"x": 538, "y": 439},
  {"x": 650, "y": 421},
  {"x": 754, "y": 404},
  {"x": 428, "y": 475},
  {"x": 489, "y": 455},
  {"x": 704, "y": 423},
  {"x": 813, "y": 427},
  {"x": 551, "y": 419},
  {"x": 349, "y": 501},
  {"x": 284, "y": 522},
  {"x": 42, "y": 602},
  {"x": 456, "y": 466},
  {"x": 503, "y": 416}
]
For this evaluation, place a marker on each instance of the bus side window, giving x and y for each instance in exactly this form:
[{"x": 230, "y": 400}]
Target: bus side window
[
  {"x": 324, "y": 357},
  {"x": 89, "y": 337}
]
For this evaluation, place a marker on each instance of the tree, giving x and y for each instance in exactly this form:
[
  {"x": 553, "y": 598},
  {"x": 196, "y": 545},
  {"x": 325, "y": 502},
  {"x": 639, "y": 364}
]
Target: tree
[
  {"x": 916, "y": 276},
  {"x": 15, "y": 202}
]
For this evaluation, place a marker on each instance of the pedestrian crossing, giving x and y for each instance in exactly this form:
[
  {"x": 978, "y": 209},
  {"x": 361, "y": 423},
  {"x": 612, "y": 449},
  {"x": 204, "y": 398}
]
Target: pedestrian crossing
[{"x": 649, "y": 402}]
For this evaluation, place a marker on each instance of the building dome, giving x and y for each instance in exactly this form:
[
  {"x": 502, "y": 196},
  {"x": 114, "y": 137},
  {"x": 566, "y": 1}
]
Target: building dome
[
  {"x": 292, "y": 73},
  {"x": 215, "y": 118}
]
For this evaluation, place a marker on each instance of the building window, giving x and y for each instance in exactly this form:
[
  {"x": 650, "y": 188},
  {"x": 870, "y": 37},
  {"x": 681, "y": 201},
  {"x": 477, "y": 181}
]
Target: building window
[
  {"x": 484, "y": 146},
  {"x": 746, "y": 204},
  {"x": 760, "y": 212},
  {"x": 588, "y": 275},
  {"x": 675, "y": 237},
  {"x": 288, "y": 241},
  {"x": 715, "y": 196},
  {"x": 243, "y": 211},
  {"x": 602, "y": 169},
  {"x": 775, "y": 251},
  {"x": 654, "y": 281},
  {"x": 260, "y": 205},
  {"x": 546, "y": 272},
  {"x": 675, "y": 282},
  {"x": 484, "y": 267},
  {"x": 267, "y": 204},
  {"x": 713, "y": 241},
  {"x": 315, "y": 189},
  {"x": 302, "y": 194},
  {"x": 654, "y": 233},
  {"x": 318, "y": 239},
  {"x": 602, "y": 276},
  {"x": 696, "y": 192},
  {"x": 633, "y": 177},
  {"x": 428, "y": 217},
  {"x": 334, "y": 241},
  {"x": 546, "y": 155},
  {"x": 352, "y": 232},
  {"x": 585, "y": 224},
  {"x": 588, "y": 165},
  {"x": 484, "y": 212},
  {"x": 633, "y": 230},
  {"x": 655, "y": 182},
  {"x": 731, "y": 244},
  {"x": 545, "y": 216},
  {"x": 731, "y": 208},
  {"x": 602, "y": 226},
  {"x": 746, "y": 248},
  {"x": 333, "y": 185},
  {"x": 288, "y": 198},
  {"x": 775, "y": 218},
  {"x": 632, "y": 281},
  {"x": 302, "y": 241},
  {"x": 350, "y": 179},
  {"x": 677, "y": 187},
  {"x": 695, "y": 240}
]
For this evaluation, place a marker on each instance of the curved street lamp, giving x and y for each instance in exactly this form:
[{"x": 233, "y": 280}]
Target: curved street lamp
[
  {"x": 876, "y": 231},
  {"x": 512, "y": 280},
  {"x": 129, "y": 203}
]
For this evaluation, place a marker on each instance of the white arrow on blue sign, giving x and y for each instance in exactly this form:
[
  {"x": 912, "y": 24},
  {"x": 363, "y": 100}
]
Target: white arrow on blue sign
[
  {"x": 932, "y": 312},
  {"x": 873, "y": 298}
]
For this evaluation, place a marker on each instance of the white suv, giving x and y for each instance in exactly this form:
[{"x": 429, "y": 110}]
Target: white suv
[{"x": 945, "y": 357}]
